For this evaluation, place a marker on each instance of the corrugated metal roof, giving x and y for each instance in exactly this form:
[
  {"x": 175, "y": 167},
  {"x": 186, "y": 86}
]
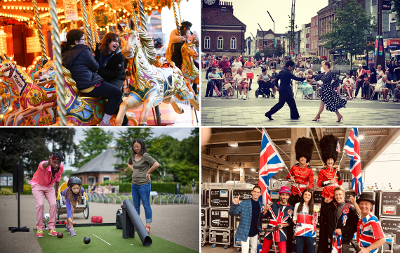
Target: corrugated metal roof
[{"x": 101, "y": 163}]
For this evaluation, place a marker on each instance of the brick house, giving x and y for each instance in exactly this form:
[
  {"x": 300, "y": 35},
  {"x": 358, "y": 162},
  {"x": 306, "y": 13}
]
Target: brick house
[
  {"x": 100, "y": 168},
  {"x": 269, "y": 39},
  {"x": 222, "y": 33},
  {"x": 314, "y": 36}
]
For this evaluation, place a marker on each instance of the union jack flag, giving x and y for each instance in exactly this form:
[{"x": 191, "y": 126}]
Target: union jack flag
[
  {"x": 270, "y": 164},
  {"x": 338, "y": 147},
  {"x": 337, "y": 243},
  {"x": 352, "y": 148}
]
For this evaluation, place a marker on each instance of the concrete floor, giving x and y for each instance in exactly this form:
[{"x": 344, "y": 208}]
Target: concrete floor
[{"x": 175, "y": 223}]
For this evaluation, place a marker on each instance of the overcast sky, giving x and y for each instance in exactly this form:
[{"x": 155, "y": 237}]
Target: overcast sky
[{"x": 251, "y": 12}]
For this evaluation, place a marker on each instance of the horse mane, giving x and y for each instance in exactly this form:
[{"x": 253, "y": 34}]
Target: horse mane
[
  {"x": 24, "y": 75},
  {"x": 67, "y": 75},
  {"x": 147, "y": 46}
]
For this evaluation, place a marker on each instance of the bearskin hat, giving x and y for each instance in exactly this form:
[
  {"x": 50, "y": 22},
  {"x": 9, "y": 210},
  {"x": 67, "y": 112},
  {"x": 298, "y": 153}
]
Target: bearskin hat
[
  {"x": 304, "y": 147},
  {"x": 328, "y": 147}
]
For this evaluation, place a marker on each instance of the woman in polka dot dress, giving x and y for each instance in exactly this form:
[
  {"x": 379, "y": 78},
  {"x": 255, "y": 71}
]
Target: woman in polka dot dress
[{"x": 329, "y": 97}]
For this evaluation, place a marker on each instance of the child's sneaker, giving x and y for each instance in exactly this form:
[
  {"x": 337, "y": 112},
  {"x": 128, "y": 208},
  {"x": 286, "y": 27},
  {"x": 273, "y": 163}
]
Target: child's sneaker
[
  {"x": 67, "y": 228},
  {"x": 52, "y": 232},
  {"x": 39, "y": 234},
  {"x": 72, "y": 232}
]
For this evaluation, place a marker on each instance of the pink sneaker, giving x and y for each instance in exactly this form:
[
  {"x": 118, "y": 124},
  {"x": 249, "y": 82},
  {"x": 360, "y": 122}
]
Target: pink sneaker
[
  {"x": 72, "y": 232},
  {"x": 52, "y": 232},
  {"x": 39, "y": 234}
]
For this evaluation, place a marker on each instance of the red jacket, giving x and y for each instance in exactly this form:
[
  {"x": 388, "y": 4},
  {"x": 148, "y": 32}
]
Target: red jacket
[
  {"x": 324, "y": 177},
  {"x": 303, "y": 177}
]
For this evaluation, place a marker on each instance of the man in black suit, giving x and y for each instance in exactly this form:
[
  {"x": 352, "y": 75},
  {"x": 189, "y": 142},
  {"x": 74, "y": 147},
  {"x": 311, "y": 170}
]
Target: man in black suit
[{"x": 285, "y": 92}]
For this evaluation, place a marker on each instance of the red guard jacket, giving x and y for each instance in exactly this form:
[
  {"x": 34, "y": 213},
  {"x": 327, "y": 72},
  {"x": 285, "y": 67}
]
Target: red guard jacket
[
  {"x": 324, "y": 177},
  {"x": 304, "y": 177}
]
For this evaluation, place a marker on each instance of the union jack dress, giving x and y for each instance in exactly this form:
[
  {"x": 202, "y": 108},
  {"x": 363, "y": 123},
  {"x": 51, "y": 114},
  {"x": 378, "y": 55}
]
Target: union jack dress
[
  {"x": 306, "y": 224},
  {"x": 279, "y": 214}
]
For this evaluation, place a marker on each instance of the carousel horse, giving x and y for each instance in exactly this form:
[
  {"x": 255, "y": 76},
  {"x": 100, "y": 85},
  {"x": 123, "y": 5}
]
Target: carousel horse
[
  {"x": 189, "y": 69},
  {"x": 5, "y": 96},
  {"x": 81, "y": 110},
  {"x": 32, "y": 99},
  {"x": 152, "y": 85}
]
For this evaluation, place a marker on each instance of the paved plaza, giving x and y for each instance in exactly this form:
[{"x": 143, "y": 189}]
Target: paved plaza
[{"x": 233, "y": 112}]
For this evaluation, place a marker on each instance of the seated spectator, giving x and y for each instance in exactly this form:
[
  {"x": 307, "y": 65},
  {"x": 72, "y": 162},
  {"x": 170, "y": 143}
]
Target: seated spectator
[
  {"x": 223, "y": 64},
  {"x": 379, "y": 72},
  {"x": 396, "y": 92},
  {"x": 360, "y": 74},
  {"x": 366, "y": 88},
  {"x": 348, "y": 85},
  {"x": 211, "y": 81},
  {"x": 111, "y": 188},
  {"x": 274, "y": 75},
  {"x": 93, "y": 188},
  {"x": 305, "y": 87},
  {"x": 381, "y": 86},
  {"x": 99, "y": 190},
  {"x": 106, "y": 190},
  {"x": 242, "y": 83},
  {"x": 228, "y": 81},
  {"x": 264, "y": 83},
  {"x": 390, "y": 84}
]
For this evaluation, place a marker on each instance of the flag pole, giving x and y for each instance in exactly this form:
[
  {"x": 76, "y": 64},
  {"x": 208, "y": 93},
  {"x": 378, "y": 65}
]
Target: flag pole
[{"x": 273, "y": 146}]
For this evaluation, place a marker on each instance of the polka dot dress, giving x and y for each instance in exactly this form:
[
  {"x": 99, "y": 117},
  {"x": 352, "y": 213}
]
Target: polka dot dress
[{"x": 329, "y": 96}]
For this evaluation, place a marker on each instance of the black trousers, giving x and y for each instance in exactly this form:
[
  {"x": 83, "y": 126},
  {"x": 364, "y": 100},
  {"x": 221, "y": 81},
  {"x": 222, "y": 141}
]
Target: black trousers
[
  {"x": 359, "y": 85},
  {"x": 210, "y": 87},
  {"x": 113, "y": 93},
  {"x": 293, "y": 200},
  {"x": 285, "y": 96}
]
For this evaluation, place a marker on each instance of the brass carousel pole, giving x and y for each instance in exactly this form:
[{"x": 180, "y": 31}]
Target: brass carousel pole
[
  {"x": 179, "y": 9},
  {"x": 143, "y": 23},
  {"x": 92, "y": 25},
  {"x": 134, "y": 16},
  {"x": 85, "y": 19},
  {"x": 41, "y": 37},
  {"x": 176, "y": 19},
  {"x": 55, "y": 32}
]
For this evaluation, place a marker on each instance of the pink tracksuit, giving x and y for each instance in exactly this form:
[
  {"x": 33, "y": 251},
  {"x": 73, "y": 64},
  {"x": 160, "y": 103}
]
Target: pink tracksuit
[{"x": 42, "y": 183}]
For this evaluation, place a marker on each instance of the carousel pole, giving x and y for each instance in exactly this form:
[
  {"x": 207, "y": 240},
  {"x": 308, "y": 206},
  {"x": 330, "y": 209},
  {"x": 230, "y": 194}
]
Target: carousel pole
[
  {"x": 179, "y": 9},
  {"x": 176, "y": 19},
  {"x": 55, "y": 32},
  {"x": 93, "y": 25},
  {"x": 134, "y": 16},
  {"x": 41, "y": 37},
  {"x": 143, "y": 23},
  {"x": 85, "y": 19}
]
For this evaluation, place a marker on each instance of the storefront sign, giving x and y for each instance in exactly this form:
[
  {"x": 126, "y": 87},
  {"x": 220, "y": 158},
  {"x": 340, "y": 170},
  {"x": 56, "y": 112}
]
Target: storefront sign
[
  {"x": 33, "y": 45},
  {"x": 70, "y": 10}
]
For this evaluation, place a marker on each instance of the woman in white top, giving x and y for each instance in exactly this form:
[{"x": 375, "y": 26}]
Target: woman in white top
[
  {"x": 305, "y": 217},
  {"x": 237, "y": 63},
  {"x": 348, "y": 85},
  {"x": 242, "y": 83}
]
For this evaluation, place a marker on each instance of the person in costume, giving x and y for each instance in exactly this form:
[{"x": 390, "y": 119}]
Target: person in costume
[
  {"x": 329, "y": 177},
  {"x": 340, "y": 222},
  {"x": 301, "y": 175},
  {"x": 175, "y": 43},
  {"x": 370, "y": 235},
  {"x": 306, "y": 218},
  {"x": 279, "y": 214},
  {"x": 250, "y": 221},
  {"x": 42, "y": 183},
  {"x": 73, "y": 195}
]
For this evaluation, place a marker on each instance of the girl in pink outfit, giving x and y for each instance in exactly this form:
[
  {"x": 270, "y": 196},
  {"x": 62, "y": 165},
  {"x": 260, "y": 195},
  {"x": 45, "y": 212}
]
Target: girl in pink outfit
[{"x": 42, "y": 183}]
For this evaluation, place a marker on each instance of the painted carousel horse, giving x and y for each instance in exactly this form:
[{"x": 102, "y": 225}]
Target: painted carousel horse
[
  {"x": 152, "y": 85},
  {"x": 189, "y": 69},
  {"x": 81, "y": 110},
  {"x": 5, "y": 96},
  {"x": 32, "y": 99}
]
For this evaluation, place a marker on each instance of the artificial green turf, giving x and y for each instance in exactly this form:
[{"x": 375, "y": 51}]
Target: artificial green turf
[{"x": 110, "y": 234}]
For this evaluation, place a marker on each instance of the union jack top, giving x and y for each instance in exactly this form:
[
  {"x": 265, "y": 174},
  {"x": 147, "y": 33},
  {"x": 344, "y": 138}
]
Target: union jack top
[
  {"x": 306, "y": 224},
  {"x": 278, "y": 214},
  {"x": 369, "y": 230}
]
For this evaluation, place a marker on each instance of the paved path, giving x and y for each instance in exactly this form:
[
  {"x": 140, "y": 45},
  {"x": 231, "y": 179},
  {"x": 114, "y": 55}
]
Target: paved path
[
  {"x": 250, "y": 112},
  {"x": 175, "y": 223}
]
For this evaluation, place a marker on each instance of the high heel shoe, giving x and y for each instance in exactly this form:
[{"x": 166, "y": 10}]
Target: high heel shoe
[
  {"x": 340, "y": 119},
  {"x": 316, "y": 118}
]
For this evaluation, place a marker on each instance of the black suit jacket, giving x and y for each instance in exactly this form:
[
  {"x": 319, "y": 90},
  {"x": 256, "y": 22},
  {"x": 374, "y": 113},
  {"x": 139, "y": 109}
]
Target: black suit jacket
[{"x": 286, "y": 77}]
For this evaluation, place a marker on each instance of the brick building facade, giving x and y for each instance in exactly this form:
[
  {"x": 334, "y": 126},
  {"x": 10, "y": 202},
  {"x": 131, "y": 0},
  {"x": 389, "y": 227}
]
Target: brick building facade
[
  {"x": 314, "y": 36},
  {"x": 267, "y": 39},
  {"x": 221, "y": 32}
]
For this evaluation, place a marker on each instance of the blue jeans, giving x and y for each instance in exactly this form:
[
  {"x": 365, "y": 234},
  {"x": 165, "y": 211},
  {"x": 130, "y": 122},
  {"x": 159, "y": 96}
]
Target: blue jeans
[
  {"x": 310, "y": 243},
  {"x": 142, "y": 192}
]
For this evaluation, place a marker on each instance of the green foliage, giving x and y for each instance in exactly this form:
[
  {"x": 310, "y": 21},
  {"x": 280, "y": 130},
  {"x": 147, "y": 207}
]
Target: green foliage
[
  {"x": 396, "y": 8},
  {"x": 187, "y": 189},
  {"x": 67, "y": 173},
  {"x": 341, "y": 61},
  {"x": 350, "y": 29},
  {"x": 316, "y": 60},
  {"x": 30, "y": 147},
  {"x": 6, "y": 191},
  {"x": 96, "y": 140},
  {"x": 163, "y": 187},
  {"x": 27, "y": 189}
]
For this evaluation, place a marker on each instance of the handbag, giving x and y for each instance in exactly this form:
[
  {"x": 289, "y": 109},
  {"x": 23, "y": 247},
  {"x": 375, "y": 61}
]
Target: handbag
[
  {"x": 118, "y": 219},
  {"x": 96, "y": 219}
]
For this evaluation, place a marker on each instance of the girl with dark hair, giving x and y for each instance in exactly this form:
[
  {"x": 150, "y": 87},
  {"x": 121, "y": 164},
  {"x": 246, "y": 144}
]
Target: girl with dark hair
[
  {"x": 111, "y": 63},
  {"x": 73, "y": 195},
  {"x": 83, "y": 67},
  {"x": 305, "y": 217},
  {"x": 142, "y": 164},
  {"x": 329, "y": 96}
]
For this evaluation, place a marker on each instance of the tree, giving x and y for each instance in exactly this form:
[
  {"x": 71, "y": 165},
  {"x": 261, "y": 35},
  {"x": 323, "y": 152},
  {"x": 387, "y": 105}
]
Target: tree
[
  {"x": 350, "y": 30},
  {"x": 96, "y": 140},
  {"x": 396, "y": 8},
  {"x": 30, "y": 146}
]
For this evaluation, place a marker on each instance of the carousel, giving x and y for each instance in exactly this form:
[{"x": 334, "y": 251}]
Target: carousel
[{"x": 36, "y": 90}]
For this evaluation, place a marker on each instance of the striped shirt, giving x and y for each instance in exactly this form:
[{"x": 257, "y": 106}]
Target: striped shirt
[{"x": 369, "y": 230}]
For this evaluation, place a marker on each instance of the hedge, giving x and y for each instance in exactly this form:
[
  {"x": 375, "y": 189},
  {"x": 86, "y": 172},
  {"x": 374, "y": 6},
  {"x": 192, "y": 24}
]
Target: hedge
[
  {"x": 155, "y": 186},
  {"x": 27, "y": 189}
]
